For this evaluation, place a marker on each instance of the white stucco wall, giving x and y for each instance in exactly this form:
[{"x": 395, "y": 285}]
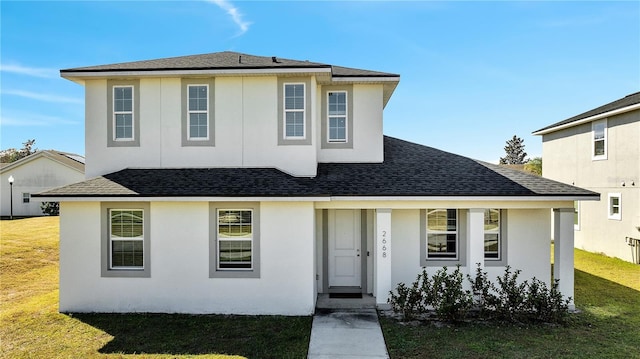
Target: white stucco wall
[
  {"x": 32, "y": 177},
  {"x": 245, "y": 118},
  {"x": 179, "y": 282}
]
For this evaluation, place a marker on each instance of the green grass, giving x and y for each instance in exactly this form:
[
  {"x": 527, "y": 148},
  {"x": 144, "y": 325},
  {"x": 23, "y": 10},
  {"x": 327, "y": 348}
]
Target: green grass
[
  {"x": 607, "y": 291},
  {"x": 31, "y": 327}
]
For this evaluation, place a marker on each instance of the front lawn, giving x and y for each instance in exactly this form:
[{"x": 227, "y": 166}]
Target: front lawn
[
  {"x": 31, "y": 327},
  {"x": 607, "y": 292}
]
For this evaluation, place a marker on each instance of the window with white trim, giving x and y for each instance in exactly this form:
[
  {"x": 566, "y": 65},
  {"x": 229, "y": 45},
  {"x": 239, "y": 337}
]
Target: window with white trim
[
  {"x": 492, "y": 237},
  {"x": 26, "y": 197},
  {"x": 198, "y": 111},
  {"x": 337, "y": 116},
  {"x": 599, "y": 148},
  {"x": 615, "y": 206},
  {"x": 294, "y": 111},
  {"x": 126, "y": 239},
  {"x": 235, "y": 239},
  {"x": 442, "y": 234},
  {"x": 123, "y": 128}
]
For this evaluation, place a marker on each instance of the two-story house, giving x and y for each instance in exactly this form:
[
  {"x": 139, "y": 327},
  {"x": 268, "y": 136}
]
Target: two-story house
[
  {"x": 232, "y": 183},
  {"x": 600, "y": 150}
]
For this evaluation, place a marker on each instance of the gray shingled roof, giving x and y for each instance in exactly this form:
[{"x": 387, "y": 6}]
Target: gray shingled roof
[
  {"x": 408, "y": 169},
  {"x": 68, "y": 159},
  {"x": 626, "y": 101},
  {"x": 224, "y": 61}
]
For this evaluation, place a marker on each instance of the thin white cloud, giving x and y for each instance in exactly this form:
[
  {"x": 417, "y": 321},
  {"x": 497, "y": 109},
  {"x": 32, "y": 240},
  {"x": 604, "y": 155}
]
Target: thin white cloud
[
  {"x": 33, "y": 120},
  {"x": 42, "y": 96},
  {"x": 235, "y": 14},
  {"x": 29, "y": 71}
]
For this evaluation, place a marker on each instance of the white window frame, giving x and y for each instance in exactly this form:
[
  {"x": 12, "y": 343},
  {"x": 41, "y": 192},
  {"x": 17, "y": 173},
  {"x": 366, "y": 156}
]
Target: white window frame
[
  {"x": 219, "y": 239},
  {"x": 26, "y": 197},
  {"x": 345, "y": 116},
  {"x": 604, "y": 140},
  {"x": 116, "y": 113},
  {"x": 611, "y": 213},
  {"x": 497, "y": 232},
  {"x": 445, "y": 257},
  {"x": 111, "y": 239},
  {"x": 285, "y": 110},
  {"x": 189, "y": 112},
  {"x": 576, "y": 214}
]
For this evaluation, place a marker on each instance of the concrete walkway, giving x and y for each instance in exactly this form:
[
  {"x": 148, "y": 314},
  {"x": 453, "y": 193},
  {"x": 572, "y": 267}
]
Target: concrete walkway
[{"x": 349, "y": 333}]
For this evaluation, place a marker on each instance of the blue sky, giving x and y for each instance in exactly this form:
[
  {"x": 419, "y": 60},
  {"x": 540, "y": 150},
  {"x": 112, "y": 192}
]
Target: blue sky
[{"x": 473, "y": 74}]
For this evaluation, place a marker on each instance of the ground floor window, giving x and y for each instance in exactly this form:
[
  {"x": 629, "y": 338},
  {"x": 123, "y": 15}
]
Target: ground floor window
[
  {"x": 126, "y": 238},
  {"x": 125, "y": 233},
  {"x": 235, "y": 237},
  {"x": 26, "y": 197},
  {"x": 615, "y": 206},
  {"x": 235, "y": 247},
  {"x": 492, "y": 236},
  {"x": 442, "y": 233}
]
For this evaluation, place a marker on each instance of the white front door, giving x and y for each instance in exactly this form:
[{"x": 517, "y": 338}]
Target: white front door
[{"x": 344, "y": 248}]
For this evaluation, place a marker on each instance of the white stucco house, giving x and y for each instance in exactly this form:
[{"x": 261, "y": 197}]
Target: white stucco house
[
  {"x": 233, "y": 183},
  {"x": 35, "y": 173},
  {"x": 600, "y": 150}
]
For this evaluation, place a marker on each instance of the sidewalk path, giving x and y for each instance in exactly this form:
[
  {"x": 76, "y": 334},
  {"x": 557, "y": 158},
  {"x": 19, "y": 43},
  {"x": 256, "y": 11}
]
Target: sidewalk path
[{"x": 346, "y": 333}]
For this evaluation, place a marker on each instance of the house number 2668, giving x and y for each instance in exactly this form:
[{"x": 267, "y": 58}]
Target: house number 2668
[{"x": 384, "y": 244}]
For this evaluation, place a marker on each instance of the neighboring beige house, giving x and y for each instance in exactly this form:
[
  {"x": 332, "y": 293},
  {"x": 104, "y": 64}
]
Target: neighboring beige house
[
  {"x": 600, "y": 150},
  {"x": 233, "y": 183},
  {"x": 37, "y": 172}
]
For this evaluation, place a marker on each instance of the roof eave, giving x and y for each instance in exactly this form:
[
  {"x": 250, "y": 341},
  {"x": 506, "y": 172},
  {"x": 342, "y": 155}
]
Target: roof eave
[
  {"x": 94, "y": 74},
  {"x": 581, "y": 121}
]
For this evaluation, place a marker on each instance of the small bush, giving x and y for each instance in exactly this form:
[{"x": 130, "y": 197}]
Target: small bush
[
  {"x": 450, "y": 301},
  {"x": 50, "y": 208}
]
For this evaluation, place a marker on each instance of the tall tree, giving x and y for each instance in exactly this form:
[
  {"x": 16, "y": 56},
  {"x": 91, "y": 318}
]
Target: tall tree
[
  {"x": 515, "y": 152},
  {"x": 12, "y": 155}
]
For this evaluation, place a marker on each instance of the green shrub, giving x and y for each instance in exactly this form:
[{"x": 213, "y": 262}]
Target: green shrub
[
  {"x": 50, "y": 208},
  {"x": 408, "y": 300},
  {"x": 507, "y": 300}
]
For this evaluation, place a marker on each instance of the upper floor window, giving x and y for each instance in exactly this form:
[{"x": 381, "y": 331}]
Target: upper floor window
[
  {"x": 198, "y": 115},
  {"x": 198, "y": 108},
  {"x": 492, "y": 236},
  {"x": 294, "y": 110},
  {"x": 442, "y": 234},
  {"x": 123, "y": 113},
  {"x": 615, "y": 206},
  {"x": 599, "y": 130},
  {"x": 337, "y": 116}
]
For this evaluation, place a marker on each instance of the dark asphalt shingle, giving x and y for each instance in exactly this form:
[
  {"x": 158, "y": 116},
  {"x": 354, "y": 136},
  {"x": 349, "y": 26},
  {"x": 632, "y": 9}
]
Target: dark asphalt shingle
[
  {"x": 408, "y": 169},
  {"x": 225, "y": 60}
]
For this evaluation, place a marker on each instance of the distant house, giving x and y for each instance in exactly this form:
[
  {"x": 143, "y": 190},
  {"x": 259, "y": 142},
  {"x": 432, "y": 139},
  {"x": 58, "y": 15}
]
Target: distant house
[
  {"x": 234, "y": 183},
  {"x": 600, "y": 150},
  {"x": 37, "y": 172}
]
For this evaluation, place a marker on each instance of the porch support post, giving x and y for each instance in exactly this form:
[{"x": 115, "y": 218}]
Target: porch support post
[
  {"x": 382, "y": 256},
  {"x": 475, "y": 226},
  {"x": 563, "y": 252}
]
